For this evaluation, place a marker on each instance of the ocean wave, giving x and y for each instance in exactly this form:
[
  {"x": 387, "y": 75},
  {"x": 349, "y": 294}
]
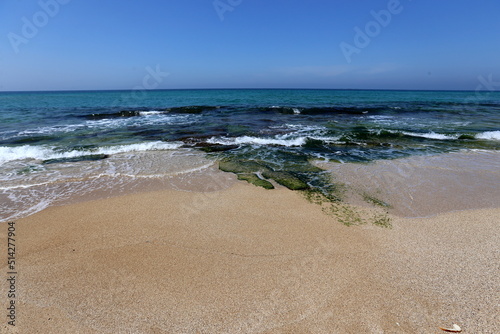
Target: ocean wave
[
  {"x": 431, "y": 135},
  {"x": 126, "y": 114},
  {"x": 489, "y": 135},
  {"x": 50, "y": 152},
  {"x": 150, "y": 113},
  {"x": 105, "y": 123},
  {"x": 279, "y": 141},
  {"x": 327, "y": 140},
  {"x": 146, "y": 112}
]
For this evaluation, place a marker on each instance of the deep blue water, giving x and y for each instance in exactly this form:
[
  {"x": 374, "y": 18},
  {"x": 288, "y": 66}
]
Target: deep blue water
[{"x": 342, "y": 125}]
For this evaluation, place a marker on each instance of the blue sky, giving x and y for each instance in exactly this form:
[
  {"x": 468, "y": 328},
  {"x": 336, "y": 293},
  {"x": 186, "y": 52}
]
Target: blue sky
[{"x": 111, "y": 44}]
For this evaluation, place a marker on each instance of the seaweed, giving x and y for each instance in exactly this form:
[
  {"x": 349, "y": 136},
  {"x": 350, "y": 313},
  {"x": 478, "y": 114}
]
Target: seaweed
[
  {"x": 255, "y": 180},
  {"x": 375, "y": 201}
]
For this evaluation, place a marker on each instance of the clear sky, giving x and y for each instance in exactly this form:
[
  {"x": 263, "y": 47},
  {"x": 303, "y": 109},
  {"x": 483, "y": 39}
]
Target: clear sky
[{"x": 365, "y": 44}]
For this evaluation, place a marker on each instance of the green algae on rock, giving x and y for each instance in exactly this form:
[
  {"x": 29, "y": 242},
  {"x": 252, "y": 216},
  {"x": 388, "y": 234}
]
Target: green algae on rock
[
  {"x": 255, "y": 180},
  {"x": 373, "y": 200},
  {"x": 210, "y": 148},
  {"x": 246, "y": 167},
  {"x": 286, "y": 179},
  {"x": 241, "y": 166}
]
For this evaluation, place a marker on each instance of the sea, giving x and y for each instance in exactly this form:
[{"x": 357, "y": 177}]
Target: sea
[{"x": 58, "y": 145}]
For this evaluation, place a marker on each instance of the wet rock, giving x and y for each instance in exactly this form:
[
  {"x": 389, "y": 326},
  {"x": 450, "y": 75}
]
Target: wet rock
[
  {"x": 255, "y": 180},
  {"x": 286, "y": 179}
]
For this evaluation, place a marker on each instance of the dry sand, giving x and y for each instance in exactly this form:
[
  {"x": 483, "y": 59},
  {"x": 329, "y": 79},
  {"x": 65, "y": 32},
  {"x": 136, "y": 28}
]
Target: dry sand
[
  {"x": 248, "y": 260},
  {"x": 241, "y": 259}
]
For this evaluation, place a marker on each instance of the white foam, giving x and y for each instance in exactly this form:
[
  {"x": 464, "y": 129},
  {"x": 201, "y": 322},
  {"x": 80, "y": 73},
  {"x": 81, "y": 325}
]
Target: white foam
[
  {"x": 47, "y": 152},
  {"x": 430, "y": 135},
  {"x": 301, "y": 128},
  {"x": 151, "y": 112},
  {"x": 280, "y": 141},
  {"x": 148, "y": 146},
  {"x": 37, "y": 207},
  {"x": 25, "y": 186},
  {"x": 490, "y": 135},
  {"x": 378, "y": 117},
  {"x": 330, "y": 140},
  {"x": 112, "y": 123}
]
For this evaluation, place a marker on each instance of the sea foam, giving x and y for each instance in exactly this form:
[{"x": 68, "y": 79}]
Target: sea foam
[
  {"x": 279, "y": 140},
  {"x": 431, "y": 135},
  {"x": 49, "y": 152},
  {"x": 490, "y": 135}
]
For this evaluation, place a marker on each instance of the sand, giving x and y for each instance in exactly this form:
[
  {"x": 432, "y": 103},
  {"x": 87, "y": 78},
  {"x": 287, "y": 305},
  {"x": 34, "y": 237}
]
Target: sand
[
  {"x": 421, "y": 186},
  {"x": 242, "y": 259},
  {"x": 247, "y": 260}
]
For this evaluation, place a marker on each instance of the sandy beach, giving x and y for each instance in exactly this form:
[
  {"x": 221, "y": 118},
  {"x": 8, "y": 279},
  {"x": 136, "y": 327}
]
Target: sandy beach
[
  {"x": 243, "y": 259},
  {"x": 249, "y": 167}
]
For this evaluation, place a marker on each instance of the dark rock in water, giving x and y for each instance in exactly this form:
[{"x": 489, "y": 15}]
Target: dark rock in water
[
  {"x": 218, "y": 148},
  {"x": 90, "y": 157},
  {"x": 250, "y": 167},
  {"x": 462, "y": 137},
  {"x": 286, "y": 179},
  {"x": 255, "y": 180},
  {"x": 123, "y": 113},
  {"x": 81, "y": 148},
  {"x": 129, "y": 113},
  {"x": 314, "y": 143},
  {"x": 241, "y": 166},
  {"x": 301, "y": 167}
]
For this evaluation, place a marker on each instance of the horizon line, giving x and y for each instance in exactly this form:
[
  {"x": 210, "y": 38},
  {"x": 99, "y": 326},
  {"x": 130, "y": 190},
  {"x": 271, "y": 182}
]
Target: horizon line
[{"x": 179, "y": 89}]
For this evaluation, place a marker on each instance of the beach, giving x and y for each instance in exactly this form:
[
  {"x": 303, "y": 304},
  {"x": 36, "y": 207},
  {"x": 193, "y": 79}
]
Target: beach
[
  {"x": 243, "y": 259},
  {"x": 135, "y": 216},
  {"x": 249, "y": 167}
]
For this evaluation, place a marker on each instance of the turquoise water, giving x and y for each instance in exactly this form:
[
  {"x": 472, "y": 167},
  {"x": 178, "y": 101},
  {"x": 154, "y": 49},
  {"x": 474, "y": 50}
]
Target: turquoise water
[{"x": 50, "y": 139}]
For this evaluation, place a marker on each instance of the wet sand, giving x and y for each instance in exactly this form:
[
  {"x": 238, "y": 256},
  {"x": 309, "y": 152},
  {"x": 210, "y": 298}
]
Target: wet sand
[
  {"x": 422, "y": 186},
  {"x": 242, "y": 259}
]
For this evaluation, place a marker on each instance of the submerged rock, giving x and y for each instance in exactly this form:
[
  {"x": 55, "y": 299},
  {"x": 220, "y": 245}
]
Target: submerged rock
[
  {"x": 123, "y": 113},
  {"x": 255, "y": 180},
  {"x": 208, "y": 148},
  {"x": 241, "y": 166},
  {"x": 467, "y": 136},
  {"x": 246, "y": 168},
  {"x": 286, "y": 179}
]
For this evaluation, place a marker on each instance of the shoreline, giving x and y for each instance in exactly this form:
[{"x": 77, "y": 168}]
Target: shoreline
[
  {"x": 382, "y": 181},
  {"x": 423, "y": 186}
]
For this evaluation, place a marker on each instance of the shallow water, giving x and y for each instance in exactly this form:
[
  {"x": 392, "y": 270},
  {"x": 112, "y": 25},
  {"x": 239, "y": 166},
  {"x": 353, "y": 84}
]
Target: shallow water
[{"x": 422, "y": 186}]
